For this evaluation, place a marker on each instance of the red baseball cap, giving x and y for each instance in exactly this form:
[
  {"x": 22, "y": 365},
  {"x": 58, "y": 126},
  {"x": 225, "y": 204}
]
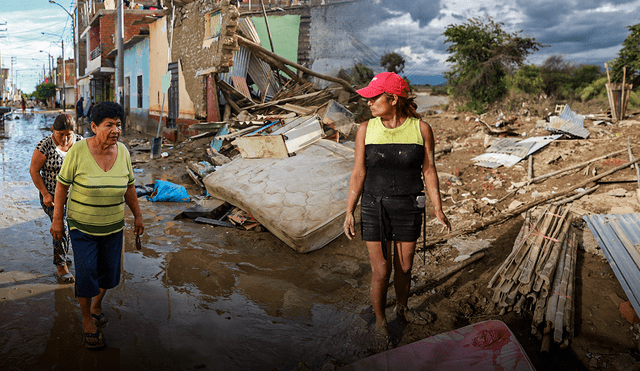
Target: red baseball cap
[{"x": 385, "y": 82}]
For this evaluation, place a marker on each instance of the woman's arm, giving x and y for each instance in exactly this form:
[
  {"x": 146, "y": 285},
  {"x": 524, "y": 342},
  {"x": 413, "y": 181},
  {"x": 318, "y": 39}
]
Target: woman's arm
[
  {"x": 37, "y": 162},
  {"x": 356, "y": 182},
  {"x": 431, "y": 176},
  {"x": 57, "y": 225},
  {"x": 131, "y": 199}
]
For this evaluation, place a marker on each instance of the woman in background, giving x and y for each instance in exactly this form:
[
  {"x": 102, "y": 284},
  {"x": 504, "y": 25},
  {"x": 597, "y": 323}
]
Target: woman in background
[{"x": 45, "y": 165}]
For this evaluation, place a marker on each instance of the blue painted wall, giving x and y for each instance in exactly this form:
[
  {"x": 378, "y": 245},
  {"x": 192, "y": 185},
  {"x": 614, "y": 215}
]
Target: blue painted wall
[{"x": 136, "y": 63}]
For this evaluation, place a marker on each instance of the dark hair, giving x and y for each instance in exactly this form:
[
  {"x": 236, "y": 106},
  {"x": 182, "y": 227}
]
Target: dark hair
[
  {"x": 406, "y": 106},
  {"x": 64, "y": 121},
  {"x": 107, "y": 110}
]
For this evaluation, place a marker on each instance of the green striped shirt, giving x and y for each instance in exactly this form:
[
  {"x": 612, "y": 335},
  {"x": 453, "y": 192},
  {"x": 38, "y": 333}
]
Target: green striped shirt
[{"x": 96, "y": 201}]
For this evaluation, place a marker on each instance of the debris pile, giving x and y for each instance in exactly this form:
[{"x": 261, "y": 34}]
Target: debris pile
[{"x": 538, "y": 276}]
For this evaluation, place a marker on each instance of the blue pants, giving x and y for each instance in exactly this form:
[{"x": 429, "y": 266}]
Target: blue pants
[{"x": 97, "y": 261}]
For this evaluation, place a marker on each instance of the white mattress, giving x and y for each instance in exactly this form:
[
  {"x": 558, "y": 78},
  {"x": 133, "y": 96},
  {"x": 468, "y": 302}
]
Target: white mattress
[{"x": 300, "y": 199}]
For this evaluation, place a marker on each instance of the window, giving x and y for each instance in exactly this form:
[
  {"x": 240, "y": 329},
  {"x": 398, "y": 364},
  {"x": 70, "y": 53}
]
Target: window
[
  {"x": 140, "y": 91},
  {"x": 213, "y": 25}
]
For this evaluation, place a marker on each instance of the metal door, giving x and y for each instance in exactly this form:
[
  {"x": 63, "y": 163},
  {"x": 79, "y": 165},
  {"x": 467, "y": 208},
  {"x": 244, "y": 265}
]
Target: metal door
[{"x": 173, "y": 96}]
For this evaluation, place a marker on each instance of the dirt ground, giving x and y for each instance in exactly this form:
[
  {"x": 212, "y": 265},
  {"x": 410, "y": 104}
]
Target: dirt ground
[{"x": 603, "y": 339}]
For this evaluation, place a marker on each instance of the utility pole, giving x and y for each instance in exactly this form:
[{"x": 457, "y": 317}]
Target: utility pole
[
  {"x": 64, "y": 90},
  {"x": 120, "y": 47}
]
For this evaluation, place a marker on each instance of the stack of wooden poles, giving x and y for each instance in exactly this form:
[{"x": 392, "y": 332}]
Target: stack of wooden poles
[{"x": 539, "y": 276}]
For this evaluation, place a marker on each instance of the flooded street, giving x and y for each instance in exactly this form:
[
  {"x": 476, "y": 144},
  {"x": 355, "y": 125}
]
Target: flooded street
[{"x": 194, "y": 297}]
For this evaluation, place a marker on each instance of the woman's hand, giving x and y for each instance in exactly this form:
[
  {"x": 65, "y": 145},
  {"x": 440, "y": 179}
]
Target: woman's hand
[
  {"x": 138, "y": 226},
  {"x": 47, "y": 200},
  {"x": 350, "y": 226},
  {"x": 444, "y": 221},
  {"x": 57, "y": 229}
]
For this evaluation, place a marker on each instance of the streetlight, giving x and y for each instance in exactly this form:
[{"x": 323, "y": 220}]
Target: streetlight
[
  {"x": 50, "y": 59},
  {"x": 64, "y": 70},
  {"x": 75, "y": 59}
]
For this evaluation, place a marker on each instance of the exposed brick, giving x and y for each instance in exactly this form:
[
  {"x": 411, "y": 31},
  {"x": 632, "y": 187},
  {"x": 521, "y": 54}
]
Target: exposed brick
[{"x": 628, "y": 313}]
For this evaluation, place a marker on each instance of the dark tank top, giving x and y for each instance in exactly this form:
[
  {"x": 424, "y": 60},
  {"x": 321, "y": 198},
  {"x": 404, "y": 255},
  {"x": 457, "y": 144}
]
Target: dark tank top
[{"x": 394, "y": 158}]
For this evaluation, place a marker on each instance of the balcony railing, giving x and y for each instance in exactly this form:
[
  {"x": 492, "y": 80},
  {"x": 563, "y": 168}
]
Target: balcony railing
[{"x": 95, "y": 53}]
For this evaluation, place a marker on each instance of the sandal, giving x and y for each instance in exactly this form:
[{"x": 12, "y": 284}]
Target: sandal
[
  {"x": 93, "y": 341},
  {"x": 381, "y": 337},
  {"x": 65, "y": 278},
  {"x": 100, "y": 319},
  {"x": 415, "y": 317}
]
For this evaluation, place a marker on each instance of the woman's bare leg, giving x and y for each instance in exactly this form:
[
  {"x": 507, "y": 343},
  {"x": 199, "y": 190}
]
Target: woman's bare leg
[{"x": 380, "y": 274}]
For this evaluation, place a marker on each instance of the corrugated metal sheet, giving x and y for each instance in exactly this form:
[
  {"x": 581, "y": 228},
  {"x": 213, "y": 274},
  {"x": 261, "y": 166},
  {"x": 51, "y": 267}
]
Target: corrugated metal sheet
[
  {"x": 240, "y": 83},
  {"x": 618, "y": 236},
  {"x": 494, "y": 160},
  {"x": 509, "y": 151},
  {"x": 259, "y": 72},
  {"x": 240, "y": 65},
  {"x": 249, "y": 30},
  {"x": 510, "y": 146},
  {"x": 568, "y": 123}
]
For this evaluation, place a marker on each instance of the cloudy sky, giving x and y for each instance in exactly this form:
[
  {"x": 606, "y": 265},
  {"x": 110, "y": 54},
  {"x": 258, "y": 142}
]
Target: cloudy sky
[
  {"x": 584, "y": 31},
  {"x": 24, "y": 22}
]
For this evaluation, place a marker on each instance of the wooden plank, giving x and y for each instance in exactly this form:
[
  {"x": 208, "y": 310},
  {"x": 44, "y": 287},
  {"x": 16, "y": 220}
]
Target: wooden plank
[
  {"x": 297, "y": 109},
  {"x": 217, "y": 223},
  {"x": 239, "y": 132},
  {"x": 262, "y": 146}
]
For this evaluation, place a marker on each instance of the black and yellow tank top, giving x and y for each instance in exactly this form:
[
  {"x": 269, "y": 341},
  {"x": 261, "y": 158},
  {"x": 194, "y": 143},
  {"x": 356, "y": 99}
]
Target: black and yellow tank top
[{"x": 394, "y": 158}]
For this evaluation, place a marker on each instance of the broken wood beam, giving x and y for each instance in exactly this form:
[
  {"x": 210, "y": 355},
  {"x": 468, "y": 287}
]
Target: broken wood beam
[
  {"x": 283, "y": 100},
  {"x": 522, "y": 208},
  {"x": 278, "y": 65},
  {"x": 575, "y": 197},
  {"x": 574, "y": 167},
  {"x": 214, "y": 222},
  {"x": 255, "y": 47}
]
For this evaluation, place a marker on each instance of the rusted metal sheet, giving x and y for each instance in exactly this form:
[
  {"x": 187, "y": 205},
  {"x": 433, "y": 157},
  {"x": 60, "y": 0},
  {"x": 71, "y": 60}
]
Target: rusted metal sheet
[
  {"x": 618, "y": 236},
  {"x": 240, "y": 83},
  {"x": 568, "y": 123}
]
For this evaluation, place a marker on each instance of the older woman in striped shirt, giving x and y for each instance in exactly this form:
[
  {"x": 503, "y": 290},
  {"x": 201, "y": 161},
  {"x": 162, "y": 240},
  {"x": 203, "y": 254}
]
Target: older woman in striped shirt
[{"x": 98, "y": 171}]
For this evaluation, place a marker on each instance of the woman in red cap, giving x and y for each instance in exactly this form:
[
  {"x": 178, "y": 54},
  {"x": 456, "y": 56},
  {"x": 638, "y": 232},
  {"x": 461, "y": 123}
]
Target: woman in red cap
[{"x": 394, "y": 152}]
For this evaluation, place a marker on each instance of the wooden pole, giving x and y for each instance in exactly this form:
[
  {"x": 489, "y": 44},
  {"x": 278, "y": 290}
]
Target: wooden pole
[
  {"x": 624, "y": 77},
  {"x": 574, "y": 166}
]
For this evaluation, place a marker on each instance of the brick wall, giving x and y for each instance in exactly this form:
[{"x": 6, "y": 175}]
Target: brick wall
[{"x": 107, "y": 30}]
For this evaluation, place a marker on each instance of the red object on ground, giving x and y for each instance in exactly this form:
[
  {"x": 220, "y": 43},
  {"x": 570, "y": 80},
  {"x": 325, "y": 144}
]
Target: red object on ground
[{"x": 628, "y": 313}]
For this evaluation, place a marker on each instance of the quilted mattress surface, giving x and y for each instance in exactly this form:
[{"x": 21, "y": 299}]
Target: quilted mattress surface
[
  {"x": 301, "y": 199},
  {"x": 482, "y": 346}
]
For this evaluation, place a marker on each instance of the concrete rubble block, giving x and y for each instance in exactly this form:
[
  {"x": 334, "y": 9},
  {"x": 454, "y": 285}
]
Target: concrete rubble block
[{"x": 628, "y": 312}]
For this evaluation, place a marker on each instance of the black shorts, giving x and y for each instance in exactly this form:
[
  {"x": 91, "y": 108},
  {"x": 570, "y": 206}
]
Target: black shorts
[{"x": 401, "y": 218}]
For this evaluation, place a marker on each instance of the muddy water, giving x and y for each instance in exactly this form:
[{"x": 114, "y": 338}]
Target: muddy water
[{"x": 195, "y": 296}]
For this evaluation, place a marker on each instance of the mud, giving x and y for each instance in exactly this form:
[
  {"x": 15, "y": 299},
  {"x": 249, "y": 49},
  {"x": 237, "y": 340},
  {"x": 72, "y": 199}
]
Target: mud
[{"x": 194, "y": 296}]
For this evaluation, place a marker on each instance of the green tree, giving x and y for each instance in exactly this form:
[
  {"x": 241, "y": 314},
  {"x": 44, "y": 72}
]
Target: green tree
[
  {"x": 45, "y": 90},
  {"x": 481, "y": 56},
  {"x": 629, "y": 56},
  {"x": 556, "y": 73},
  {"x": 392, "y": 62},
  {"x": 526, "y": 80}
]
